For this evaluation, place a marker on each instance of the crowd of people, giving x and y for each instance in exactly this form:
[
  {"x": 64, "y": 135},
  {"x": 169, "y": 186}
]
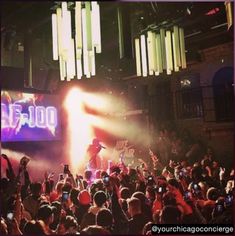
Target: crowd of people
[{"x": 120, "y": 200}]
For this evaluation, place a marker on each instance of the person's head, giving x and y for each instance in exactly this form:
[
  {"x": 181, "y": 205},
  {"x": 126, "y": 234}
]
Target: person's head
[
  {"x": 46, "y": 214},
  {"x": 34, "y": 228},
  {"x": 104, "y": 218},
  {"x": 103, "y": 174},
  {"x": 169, "y": 199},
  {"x": 134, "y": 206},
  {"x": 70, "y": 225},
  {"x": 94, "y": 230},
  {"x": 150, "y": 193},
  {"x": 84, "y": 197},
  {"x": 205, "y": 162},
  {"x": 96, "y": 186},
  {"x": 173, "y": 183},
  {"x": 125, "y": 193},
  {"x": 67, "y": 187},
  {"x": 98, "y": 174},
  {"x": 88, "y": 174},
  {"x": 142, "y": 199},
  {"x": 147, "y": 228},
  {"x": 212, "y": 194},
  {"x": 215, "y": 164},
  {"x": 196, "y": 173},
  {"x": 74, "y": 196},
  {"x": 99, "y": 198},
  {"x": 170, "y": 215},
  {"x": 36, "y": 189},
  {"x": 57, "y": 209}
]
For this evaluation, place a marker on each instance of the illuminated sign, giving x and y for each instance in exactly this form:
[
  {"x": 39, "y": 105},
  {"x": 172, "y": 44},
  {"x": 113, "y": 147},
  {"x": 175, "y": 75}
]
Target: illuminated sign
[
  {"x": 39, "y": 116},
  {"x": 29, "y": 117}
]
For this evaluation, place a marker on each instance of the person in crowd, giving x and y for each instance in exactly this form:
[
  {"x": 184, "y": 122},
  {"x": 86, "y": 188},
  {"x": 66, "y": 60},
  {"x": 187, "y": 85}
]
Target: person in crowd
[
  {"x": 121, "y": 199},
  {"x": 46, "y": 214},
  {"x": 137, "y": 220},
  {"x": 31, "y": 202},
  {"x": 99, "y": 201}
]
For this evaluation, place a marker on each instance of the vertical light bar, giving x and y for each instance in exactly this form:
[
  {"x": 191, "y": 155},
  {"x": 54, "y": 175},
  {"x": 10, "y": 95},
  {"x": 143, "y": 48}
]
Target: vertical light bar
[
  {"x": 65, "y": 31},
  {"x": 90, "y": 55},
  {"x": 176, "y": 45},
  {"x": 84, "y": 39},
  {"x": 88, "y": 25},
  {"x": 62, "y": 68},
  {"x": 93, "y": 62},
  {"x": 79, "y": 68},
  {"x": 163, "y": 47},
  {"x": 73, "y": 61},
  {"x": 70, "y": 65},
  {"x": 59, "y": 30},
  {"x": 137, "y": 57},
  {"x": 229, "y": 15},
  {"x": 182, "y": 48},
  {"x": 78, "y": 38},
  {"x": 151, "y": 52},
  {"x": 143, "y": 55},
  {"x": 159, "y": 54},
  {"x": 176, "y": 68},
  {"x": 78, "y": 25},
  {"x": 169, "y": 63},
  {"x": 54, "y": 37},
  {"x": 96, "y": 34},
  {"x": 120, "y": 34}
]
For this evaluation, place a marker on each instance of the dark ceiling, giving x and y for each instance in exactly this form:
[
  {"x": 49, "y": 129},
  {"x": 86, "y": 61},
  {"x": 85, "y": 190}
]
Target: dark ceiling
[{"x": 202, "y": 29}]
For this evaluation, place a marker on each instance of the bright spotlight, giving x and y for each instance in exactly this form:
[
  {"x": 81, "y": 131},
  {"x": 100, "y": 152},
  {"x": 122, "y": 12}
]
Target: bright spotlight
[{"x": 80, "y": 131}]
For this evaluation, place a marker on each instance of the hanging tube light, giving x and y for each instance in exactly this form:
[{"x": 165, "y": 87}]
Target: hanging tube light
[
  {"x": 143, "y": 55},
  {"x": 137, "y": 56},
  {"x": 54, "y": 37},
  {"x": 76, "y": 55},
  {"x": 182, "y": 48},
  {"x": 169, "y": 62}
]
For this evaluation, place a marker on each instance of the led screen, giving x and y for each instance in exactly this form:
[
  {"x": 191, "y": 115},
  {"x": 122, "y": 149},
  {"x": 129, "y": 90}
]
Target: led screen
[{"x": 29, "y": 116}]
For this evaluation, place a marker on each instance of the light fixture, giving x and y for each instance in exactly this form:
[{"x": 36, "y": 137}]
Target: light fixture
[
  {"x": 165, "y": 51},
  {"x": 143, "y": 55},
  {"x": 137, "y": 57},
  {"x": 229, "y": 14},
  {"x": 75, "y": 48}
]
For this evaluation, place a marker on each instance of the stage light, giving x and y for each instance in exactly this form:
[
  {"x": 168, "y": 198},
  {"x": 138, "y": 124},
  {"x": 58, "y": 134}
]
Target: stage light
[
  {"x": 159, "y": 55},
  {"x": 96, "y": 35},
  {"x": 151, "y": 52},
  {"x": 169, "y": 62},
  {"x": 143, "y": 55},
  {"x": 182, "y": 48},
  {"x": 229, "y": 14},
  {"x": 84, "y": 38},
  {"x": 78, "y": 27},
  {"x": 162, "y": 48},
  {"x": 54, "y": 37},
  {"x": 137, "y": 56},
  {"x": 176, "y": 45},
  {"x": 83, "y": 42},
  {"x": 120, "y": 34}
]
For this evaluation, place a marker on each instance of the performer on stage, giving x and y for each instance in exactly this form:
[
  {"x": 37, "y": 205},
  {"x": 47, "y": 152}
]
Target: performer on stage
[{"x": 92, "y": 153}]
